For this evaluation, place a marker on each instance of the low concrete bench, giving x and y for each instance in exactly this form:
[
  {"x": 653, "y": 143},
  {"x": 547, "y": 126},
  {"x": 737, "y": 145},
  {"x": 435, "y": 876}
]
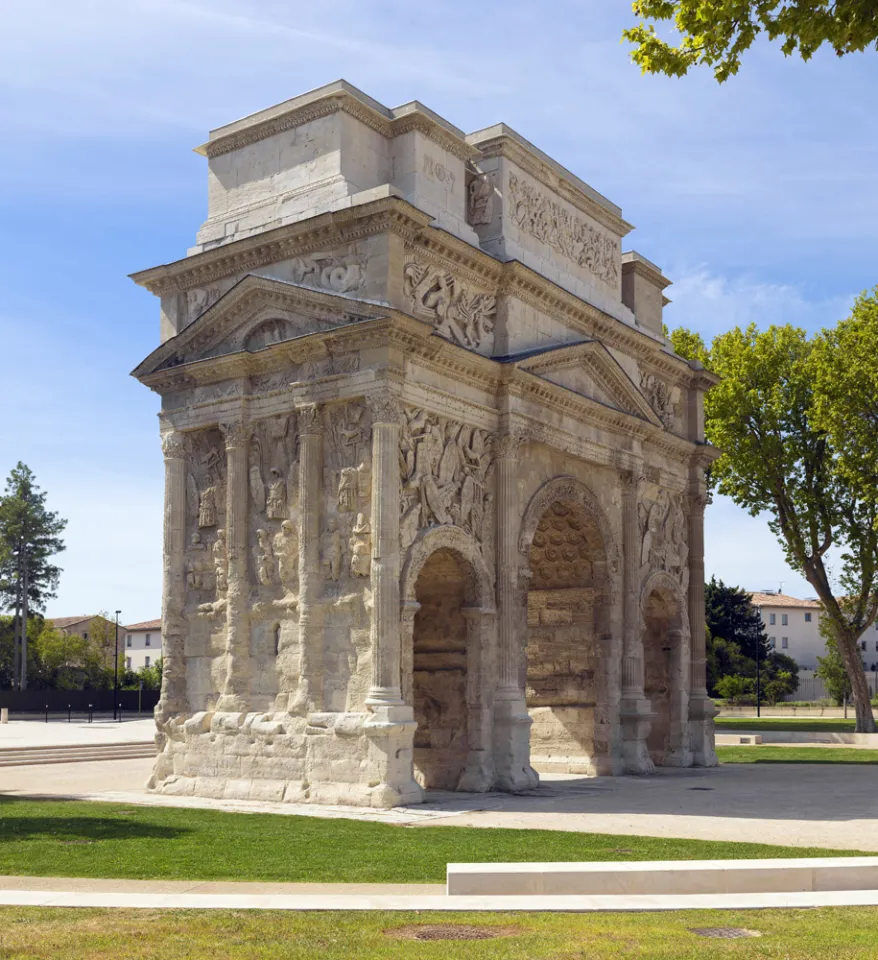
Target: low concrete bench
[
  {"x": 662, "y": 877},
  {"x": 736, "y": 739}
]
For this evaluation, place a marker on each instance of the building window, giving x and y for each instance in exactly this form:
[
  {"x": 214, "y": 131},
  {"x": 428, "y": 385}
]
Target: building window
[
  {"x": 772, "y": 619},
  {"x": 772, "y": 643},
  {"x": 128, "y": 663},
  {"x": 784, "y": 643},
  {"x": 147, "y": 641},
  {"x": 147, "y": 662},
  {"x": 807, "y": 618},
  {"x": 784, "y": 620},
  {"x": 863, "y": 645},
  {"x": 128, "y": 641},
  {"x": 84, "y": 636}
]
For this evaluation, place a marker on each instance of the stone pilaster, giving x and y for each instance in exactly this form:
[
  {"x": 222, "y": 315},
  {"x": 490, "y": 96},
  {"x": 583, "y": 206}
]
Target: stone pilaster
[
  {"x": 701, "y": 708},
  {"x": 511, "y": 720},
  {"x": 635, "y": 710},
  {"x": 309, "y": 696},
  {"x": 235, "y": 688},
  {"x": 478, "y": 775},
  {"x": 173, "y": 699},
  {"x": 679, "y": 753}
]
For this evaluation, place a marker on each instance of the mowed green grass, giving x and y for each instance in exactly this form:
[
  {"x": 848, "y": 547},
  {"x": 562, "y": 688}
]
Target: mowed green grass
[
  {"x": 56, "y": 934},
  {"x": 799, "y": 724},
  {"x": 768, "y": 754},
  {"x": 77, "y": 839}
]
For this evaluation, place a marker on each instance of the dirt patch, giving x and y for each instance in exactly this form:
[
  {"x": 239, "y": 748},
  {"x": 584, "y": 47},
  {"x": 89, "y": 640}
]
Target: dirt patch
[
  {"x": 725, "y": 933},
  {"x": 447, "y": 931}
]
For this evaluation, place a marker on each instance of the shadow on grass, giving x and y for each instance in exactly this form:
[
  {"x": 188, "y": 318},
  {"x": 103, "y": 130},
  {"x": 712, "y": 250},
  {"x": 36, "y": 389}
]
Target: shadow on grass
[
  {"x": 835, "y": 763},
  {"x": 73, "y": 830}
]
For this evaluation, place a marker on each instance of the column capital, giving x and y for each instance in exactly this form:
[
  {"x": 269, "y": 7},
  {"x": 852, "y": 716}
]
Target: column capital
[
  {"x": 173, "y": 445},
  {"x": 236, "y": 433},
  {"x": 310, "y": 421},
  {"x": 385, "y": 406}
]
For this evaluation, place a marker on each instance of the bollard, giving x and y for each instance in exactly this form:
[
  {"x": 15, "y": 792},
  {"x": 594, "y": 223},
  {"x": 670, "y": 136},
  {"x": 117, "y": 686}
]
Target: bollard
[
  {"x": 47, "y": 713},
  {"x": 120, "y": 713},
  {"x": 4, "y": 715},
  {"x": 89, "y": 713},
  {"x": 69, "y": 713}
]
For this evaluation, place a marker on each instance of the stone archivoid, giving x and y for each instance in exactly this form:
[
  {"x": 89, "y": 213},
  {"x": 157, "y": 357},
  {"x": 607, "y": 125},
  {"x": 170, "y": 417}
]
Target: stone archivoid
[{"x": 434, "y": 480}]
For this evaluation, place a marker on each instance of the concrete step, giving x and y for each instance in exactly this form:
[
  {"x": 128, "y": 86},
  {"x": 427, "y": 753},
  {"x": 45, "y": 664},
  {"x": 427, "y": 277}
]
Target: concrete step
[
  {"x": 736, "y": 739},
  {"x": 75, "y": 753},
  {"x": 662, "y": 877}
]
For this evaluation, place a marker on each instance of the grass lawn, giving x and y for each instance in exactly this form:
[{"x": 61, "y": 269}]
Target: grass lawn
[
  {"x": 802, "y": 724},
  {"x": 75, "y": 839},
  {"x": 769, "y": 754},
  {"x": 57, "y": 934}
]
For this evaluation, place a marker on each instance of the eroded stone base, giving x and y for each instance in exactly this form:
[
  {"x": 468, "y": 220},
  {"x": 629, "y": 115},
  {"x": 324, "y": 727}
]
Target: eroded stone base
[{"x": 327, "y": 758}]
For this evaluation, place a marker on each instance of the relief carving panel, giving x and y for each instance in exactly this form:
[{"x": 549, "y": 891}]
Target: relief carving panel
[
  {"x": 459, "y": 313},
  {"x": 552, "y": 224}
]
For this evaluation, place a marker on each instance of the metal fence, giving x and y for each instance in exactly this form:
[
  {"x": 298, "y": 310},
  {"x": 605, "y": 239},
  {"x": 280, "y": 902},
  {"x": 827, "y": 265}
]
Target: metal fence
[{"x": 77, "y": 704}]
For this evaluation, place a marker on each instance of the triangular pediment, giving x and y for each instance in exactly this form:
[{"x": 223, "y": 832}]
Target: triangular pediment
[
  {"x": 591, "y": 371},
  {"x": 256, "y": 314}
]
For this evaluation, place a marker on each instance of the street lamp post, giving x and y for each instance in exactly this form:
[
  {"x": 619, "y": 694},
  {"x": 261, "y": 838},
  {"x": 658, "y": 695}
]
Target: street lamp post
[
  {"x": 758, "y": 681},
  {"x": 116, "y": 668}
]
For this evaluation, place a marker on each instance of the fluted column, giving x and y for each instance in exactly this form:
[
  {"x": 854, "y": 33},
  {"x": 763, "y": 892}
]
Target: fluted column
[
  {"x": 635, "y": 710},
  {"x": 235, "y": 692},
  {"x": 701, "y": 708},
  {"x": 511, "y": 720},
  {"x": 391, "y": 724},
  {"x": 309, "y": 696},
  {"x": 173, "y": 696},
  {"x": 385, "y": 571}
]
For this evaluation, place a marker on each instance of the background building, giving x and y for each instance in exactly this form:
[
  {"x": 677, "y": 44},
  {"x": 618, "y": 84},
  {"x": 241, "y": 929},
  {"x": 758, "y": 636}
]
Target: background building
[
  {"x": 143, "y": 644},
  {"x": 95, "y": 627}
]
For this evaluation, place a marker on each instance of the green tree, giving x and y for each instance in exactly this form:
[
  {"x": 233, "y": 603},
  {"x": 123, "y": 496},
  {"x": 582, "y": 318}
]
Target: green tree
[
  {"x": 831, "y": 668},
  {"x": 716, "y": 33},
  {"x": 730, "y": 616},
  {"x": 766, "y": 416},
  {"x": 30, "y": 535}
]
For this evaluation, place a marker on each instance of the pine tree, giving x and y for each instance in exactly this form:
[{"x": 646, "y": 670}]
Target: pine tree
[{"x": 30, "y": 535}]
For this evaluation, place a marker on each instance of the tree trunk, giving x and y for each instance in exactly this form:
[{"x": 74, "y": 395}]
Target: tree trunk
[
  {"x": 850, "y": 653},
  {"x": 24, "y": 605}
]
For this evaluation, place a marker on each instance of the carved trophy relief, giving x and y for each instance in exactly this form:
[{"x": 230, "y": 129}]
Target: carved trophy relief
[
  {"x": 663, "y": 534},
  {"x": 269, "y": 382},
  {"x": 480, "y": 199},
  {"x": 205, "y": 479},
  {"x": 446, "y": 470},
  {"x": 331, "y": 550},
  {"x": 273, "y": 467},
  {"x": 663, "y": 399},
  {"x": 285, "y": 548},
  {"x": 348, "y": 457},
  {"x": 459, "y": 313},
  {"x": 552, "y": 224},
  {"x": 340, "y": 274},
  {"x": 199, "y": 566},
  {"x": 202, "y": 298},
  {"x": 361, "y": 547},
  {"x": 316, "y": 368},
  {"x": 221, "y": 563},
  {"x": 266, "y": 565}
]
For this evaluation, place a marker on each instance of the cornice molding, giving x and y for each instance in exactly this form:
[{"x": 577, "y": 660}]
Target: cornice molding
[
  {"x": 345, "y": 102},
  {"x": 387, "y": 215}
]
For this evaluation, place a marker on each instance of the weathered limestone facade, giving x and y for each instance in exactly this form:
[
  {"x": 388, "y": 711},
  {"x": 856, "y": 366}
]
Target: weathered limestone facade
[{"x": 434, "y": 479}]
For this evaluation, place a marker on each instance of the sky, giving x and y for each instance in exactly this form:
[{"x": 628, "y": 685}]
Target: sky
[{"x": 757, "y": 198}]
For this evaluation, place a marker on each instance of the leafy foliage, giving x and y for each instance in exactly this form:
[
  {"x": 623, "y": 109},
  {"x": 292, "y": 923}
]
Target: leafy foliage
[
  {"x": 778, "y": 415},
  {"x": 716, "y": 33}
]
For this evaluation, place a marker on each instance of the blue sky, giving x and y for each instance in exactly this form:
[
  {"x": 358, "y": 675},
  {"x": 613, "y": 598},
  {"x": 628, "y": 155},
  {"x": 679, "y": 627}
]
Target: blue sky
[{"x": 757, "y": 198}]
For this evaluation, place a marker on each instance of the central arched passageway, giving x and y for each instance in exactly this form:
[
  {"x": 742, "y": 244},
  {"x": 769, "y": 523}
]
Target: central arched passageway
[{"x": 567, "y": 605}]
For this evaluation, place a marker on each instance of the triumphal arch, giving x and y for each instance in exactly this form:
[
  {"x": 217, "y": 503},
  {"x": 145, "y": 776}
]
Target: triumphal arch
[{"x": 434, "y": 477}]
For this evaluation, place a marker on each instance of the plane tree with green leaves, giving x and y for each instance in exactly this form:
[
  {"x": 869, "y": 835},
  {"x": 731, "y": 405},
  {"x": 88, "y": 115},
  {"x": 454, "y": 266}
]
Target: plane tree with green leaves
[
  {"x": 716, "y": 33},
  {"x": 778, "y": 415}
]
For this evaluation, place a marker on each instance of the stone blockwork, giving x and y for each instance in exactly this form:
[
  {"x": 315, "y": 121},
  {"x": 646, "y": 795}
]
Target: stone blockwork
[{"x": 434, "y": 480}]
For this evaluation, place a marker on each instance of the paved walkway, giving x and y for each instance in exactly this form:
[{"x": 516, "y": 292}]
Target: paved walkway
[
  {"x": 35, "y": 733},
  {"x": 805, "y": 805}
]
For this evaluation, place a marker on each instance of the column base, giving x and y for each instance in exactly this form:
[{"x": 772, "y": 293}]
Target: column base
[
  {"x": 391, "y": 732},
  {"x": 478, "y": 776},
  {"x": 636, "y": 717},
  {"x": 702, "y": 732},
  {"x": 513, "y": 772}
]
